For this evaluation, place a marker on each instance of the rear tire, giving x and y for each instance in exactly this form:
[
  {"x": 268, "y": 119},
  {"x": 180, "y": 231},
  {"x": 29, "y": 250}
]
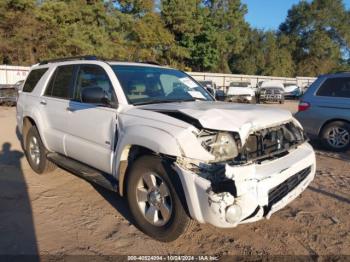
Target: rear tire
[
  {"x": 335, "y": 136},
  {"x": 35, "y": 152},
  {"x": 147, "y": 201}
]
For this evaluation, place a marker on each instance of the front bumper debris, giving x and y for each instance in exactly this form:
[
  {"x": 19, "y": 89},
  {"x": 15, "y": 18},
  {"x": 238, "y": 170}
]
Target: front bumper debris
[{"x": 247, "y": 192}]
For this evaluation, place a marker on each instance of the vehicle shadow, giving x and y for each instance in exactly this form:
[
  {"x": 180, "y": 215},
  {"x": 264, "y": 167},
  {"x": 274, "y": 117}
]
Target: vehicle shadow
[
  {"x": 116, "y": 201},
  {"x": 17, "y": 231},
  {"x": 329, "y": 194},
  {"x": 316, "y": 144}
]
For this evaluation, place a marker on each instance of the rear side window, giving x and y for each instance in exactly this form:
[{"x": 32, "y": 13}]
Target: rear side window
[
  {"x": 335, "y": 87},
  {"x": 61, "y": 83},
  {"x": 33, "y": 78}
]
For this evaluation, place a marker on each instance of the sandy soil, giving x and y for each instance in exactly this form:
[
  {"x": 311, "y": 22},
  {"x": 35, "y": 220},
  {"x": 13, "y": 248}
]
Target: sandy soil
[{"x": 60, "y": 213}]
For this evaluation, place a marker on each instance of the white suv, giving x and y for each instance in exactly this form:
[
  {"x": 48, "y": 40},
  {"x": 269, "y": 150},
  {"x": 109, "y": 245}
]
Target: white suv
[{"x": 154, "y": 135}]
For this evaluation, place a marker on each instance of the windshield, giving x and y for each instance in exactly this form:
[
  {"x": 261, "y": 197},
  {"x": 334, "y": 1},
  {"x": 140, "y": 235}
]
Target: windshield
[
  {"x": 239, "y": 84},
  {"x": 147, "y": 85}
]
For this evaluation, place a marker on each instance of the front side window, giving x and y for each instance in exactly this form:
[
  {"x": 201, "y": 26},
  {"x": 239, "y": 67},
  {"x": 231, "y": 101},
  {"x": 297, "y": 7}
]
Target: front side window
[
  {"x": 147, "y": 85},
  {"x": 61, "y": 83},
  {"x": 92, "y": 76},
  {"x": 335, "y": 87},
  {"x": 33, "y": 78}
]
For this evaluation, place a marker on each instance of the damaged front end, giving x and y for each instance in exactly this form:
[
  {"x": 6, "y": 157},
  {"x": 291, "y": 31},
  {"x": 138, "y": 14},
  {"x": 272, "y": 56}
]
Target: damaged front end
[
  {"x": 260, "y": 145},
  {"x": 250, "y": 179}
]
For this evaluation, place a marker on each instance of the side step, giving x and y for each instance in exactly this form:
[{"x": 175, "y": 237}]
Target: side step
[{"x": 86, "y": 172}]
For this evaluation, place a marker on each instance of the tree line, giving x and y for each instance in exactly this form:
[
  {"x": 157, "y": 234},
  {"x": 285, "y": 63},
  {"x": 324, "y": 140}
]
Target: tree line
[{"x": 195, "y": 35}]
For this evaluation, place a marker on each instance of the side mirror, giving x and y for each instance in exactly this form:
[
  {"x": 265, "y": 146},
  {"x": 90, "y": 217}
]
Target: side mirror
[{"x": 94, "y": 95}]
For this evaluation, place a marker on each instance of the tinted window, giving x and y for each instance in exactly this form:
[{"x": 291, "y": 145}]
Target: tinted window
[
  {"x": 91, "y": 76},
  {"x": 33, "y": 79},
  {"x": 61, "y": 83},
  {"x": 335, "y": 87}
]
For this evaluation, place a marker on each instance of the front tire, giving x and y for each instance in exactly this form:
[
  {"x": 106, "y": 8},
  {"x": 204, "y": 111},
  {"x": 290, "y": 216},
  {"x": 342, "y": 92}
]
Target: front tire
[
  {"x": 336, "y": 136},
  {"x": 155, "y": 199},
  {"x": 35, "y": 152}
]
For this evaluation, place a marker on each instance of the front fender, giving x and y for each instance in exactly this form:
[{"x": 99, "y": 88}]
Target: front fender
[
  {"x": 155, "y": 139},
  {"x": 160, "y": 141}
]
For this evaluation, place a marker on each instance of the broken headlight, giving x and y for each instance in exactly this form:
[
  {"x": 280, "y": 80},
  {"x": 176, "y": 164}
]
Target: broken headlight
[{"x": 220, "y": 144}]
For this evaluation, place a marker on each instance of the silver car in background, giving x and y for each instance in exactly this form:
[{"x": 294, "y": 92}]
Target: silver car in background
[
  {"x": 324, "y": 111},
  {"x": 271, "y": 91}
]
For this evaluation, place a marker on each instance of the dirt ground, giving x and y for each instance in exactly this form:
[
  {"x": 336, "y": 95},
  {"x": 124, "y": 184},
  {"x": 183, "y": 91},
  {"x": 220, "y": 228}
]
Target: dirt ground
[{"x": 60, "y": 214}]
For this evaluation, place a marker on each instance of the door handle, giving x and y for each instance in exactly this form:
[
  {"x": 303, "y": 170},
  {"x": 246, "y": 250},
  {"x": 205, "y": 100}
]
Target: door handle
[{"x": 43, "y": 102}]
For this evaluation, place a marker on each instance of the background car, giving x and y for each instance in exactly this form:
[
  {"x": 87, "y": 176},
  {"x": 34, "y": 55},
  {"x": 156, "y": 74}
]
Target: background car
[
  {"x": 8, "y": 95},
  {"x": 220, "y": 95},
  {"x": 270, "y": 91},
  {"x": 241, "y": 92},
  {"x": 210, "y": 86},
  {"x": 324, "y": 111},
  {"x": 292, "y": 91}
]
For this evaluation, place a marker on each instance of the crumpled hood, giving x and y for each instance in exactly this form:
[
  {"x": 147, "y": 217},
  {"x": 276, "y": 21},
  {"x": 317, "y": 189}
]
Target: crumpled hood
[{"x": 241, "y": 118}]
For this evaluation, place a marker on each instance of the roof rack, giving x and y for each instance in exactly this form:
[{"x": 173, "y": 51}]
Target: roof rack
[{"x": 87, "y": 57}]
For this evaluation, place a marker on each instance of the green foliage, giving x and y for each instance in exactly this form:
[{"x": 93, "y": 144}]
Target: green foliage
[
  {"x": 264, "y": 54},
  {"x": 320, "y": 31},
  {"x": 198, "y": 35}
]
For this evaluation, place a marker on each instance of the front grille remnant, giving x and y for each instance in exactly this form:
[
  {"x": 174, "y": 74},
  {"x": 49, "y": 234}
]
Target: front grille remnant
[
  {"x": 271, "y": 142},
  {"x": 280, "y": 191}
]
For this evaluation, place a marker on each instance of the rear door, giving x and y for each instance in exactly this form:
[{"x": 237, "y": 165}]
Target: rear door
[
  {"x": 55, "y": 102},
  {"x": 91, "y": 128},
  {"x": 333, "y": 98},
  {"x": 329, "y": 99}
]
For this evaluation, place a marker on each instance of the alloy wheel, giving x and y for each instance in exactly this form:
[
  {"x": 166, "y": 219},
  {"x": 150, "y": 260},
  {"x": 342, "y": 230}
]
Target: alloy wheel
[
  {"x": 154, "y": 199},
  {"x": 338, "y": 137},
  {"x": 34, "y": 150}
]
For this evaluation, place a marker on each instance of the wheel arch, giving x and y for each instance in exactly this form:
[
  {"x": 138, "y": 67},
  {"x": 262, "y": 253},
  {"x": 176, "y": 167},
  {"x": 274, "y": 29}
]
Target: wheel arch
[
  {"x": 29, "y": 121},
  {"x": 135, "y": 143},
  {"x": 129, "y": 154}
]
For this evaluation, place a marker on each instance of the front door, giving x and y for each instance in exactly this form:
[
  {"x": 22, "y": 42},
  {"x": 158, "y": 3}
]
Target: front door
[{"x": 92, "y": 128}]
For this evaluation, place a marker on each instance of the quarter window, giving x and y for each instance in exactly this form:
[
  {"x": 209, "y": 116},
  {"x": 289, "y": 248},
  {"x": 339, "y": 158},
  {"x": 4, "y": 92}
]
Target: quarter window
[
  {"x": 61, "y": 83},
  {"x": 33, "y": 78},
  {"x": 91, "y": 76},
  {"x": 335, "y": 87}
]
